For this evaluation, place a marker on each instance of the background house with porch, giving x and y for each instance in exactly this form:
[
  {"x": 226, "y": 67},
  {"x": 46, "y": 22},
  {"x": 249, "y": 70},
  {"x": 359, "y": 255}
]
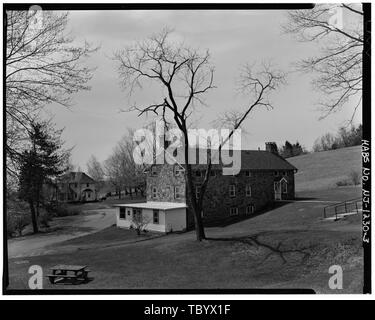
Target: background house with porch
[{"x": 76, "y": 186}]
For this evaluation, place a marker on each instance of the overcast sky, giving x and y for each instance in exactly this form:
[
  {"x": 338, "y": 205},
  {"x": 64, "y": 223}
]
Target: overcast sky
[{"x": 94, "y": 124}]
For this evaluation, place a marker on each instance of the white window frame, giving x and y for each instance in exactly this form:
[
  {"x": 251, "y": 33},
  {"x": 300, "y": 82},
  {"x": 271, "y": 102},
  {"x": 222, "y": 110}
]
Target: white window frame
[
  {"x": 197, "y": 191},
  {"x": 233, "y": 211},
  {"x": 154, "y": 173},
  {"x": 154, "y": 192},
  {"x": 178, "y": 171},
  {"x": 122, "y": 208},
  {"x": 232, "y": 190},
  {"x": 154, "y": 211},
  {"x": 248, "y": 190},
  {"x": 250, "y": 209}
]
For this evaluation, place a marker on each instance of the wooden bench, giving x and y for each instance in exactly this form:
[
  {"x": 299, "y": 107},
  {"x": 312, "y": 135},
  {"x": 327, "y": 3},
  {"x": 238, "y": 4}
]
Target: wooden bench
[{"x": 73, "y": 273}]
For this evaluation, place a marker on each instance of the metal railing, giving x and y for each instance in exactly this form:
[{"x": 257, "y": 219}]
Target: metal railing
[{"x": 344, "y": 207}]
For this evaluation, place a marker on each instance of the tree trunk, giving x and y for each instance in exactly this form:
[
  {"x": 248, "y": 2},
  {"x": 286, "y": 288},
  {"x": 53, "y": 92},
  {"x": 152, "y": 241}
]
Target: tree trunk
[{"x": 33, "y": 217}]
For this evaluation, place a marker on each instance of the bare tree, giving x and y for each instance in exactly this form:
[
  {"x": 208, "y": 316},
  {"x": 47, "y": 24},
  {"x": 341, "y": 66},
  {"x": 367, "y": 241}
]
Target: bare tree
[
  {"x": 185, "y": 76},
  {"x": 43, "y": 65},
  {"x": 338, "y": 30},
  {"x": 121, "y": 168}
]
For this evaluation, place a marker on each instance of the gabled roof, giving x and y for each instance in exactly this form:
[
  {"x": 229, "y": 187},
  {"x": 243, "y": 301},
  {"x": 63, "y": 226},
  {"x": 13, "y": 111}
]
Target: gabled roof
[
  {"x": 76, "y": 177},
  {"x": 258, "y": 160}
]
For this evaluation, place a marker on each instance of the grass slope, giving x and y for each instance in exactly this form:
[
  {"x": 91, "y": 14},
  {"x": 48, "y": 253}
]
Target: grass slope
[
  {"x": 287, "y": 247},
  {"x": 321, "y": 170}
]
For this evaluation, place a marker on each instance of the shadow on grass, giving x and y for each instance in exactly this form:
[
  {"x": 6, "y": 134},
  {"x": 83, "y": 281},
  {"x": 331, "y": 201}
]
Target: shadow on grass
[
  {"x": 74, "y": 282},
  {"x": 273, "y": 248},
  {"x": 232, "y": 220}
]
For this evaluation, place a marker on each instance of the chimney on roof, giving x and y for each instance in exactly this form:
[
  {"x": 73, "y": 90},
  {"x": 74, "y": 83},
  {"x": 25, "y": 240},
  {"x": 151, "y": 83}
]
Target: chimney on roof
[{"x": 272, "y": 147}]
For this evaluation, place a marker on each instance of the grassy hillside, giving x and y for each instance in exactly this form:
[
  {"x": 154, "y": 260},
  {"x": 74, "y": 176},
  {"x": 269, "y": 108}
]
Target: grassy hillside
[{"x": 321, "y": 170}]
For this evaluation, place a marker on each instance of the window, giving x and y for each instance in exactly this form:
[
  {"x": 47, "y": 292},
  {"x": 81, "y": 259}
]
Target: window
[
  {"x": 154, "y": 171},
  {"x": 198, "y": 173},
  {"x": 122, "y": 213},
  {"x": 177, "y": 192},
  {"x": 284, "y": 173},
  {"x": 213, "y": 173},
  {"x": 284, "y": 186},
  {"x": 197, "y": 192},
  {"x": 87, "y": 185},
  {"x": 247, "y": 173},
  {"x": 137, "y": 214},
  {"x": 178, "y": 170},
  {"x": 233, "y": 211},
  {"x": 156, "y": 216},
  {"x": 248, "y": 190},
  {"x": 276, "y": 173},
  {"x": 232, "y": 190},
  {"x": 250, "y": 209},
  {"x": 154, "y": 192}
]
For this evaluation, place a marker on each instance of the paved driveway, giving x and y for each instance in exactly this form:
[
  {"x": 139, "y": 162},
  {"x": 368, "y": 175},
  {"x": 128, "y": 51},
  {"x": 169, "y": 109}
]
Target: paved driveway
[{"x": 65, "y": 228}]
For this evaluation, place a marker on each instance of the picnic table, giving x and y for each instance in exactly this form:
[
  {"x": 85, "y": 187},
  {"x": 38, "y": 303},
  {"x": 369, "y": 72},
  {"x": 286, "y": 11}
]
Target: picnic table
[{"x": 64, "y": 272}]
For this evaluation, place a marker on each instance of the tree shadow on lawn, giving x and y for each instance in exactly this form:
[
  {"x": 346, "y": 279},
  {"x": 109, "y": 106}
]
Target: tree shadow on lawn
[{"x": 277, "y": 248}]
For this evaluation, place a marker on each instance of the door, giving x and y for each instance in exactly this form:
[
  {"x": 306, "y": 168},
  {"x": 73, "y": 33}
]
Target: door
[{"x": 277, "y": 189}]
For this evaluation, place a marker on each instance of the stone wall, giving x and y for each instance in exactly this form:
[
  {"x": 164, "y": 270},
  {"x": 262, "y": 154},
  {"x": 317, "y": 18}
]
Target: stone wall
[
  {"x": 217, "y": 201},
  {"x": 165, "y": 180}
]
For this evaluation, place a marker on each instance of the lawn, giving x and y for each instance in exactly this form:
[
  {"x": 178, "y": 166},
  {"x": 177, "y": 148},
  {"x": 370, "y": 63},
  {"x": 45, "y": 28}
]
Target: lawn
[
  {"x": 287, "y": 247},
  {"x": 322, "y": 170}
]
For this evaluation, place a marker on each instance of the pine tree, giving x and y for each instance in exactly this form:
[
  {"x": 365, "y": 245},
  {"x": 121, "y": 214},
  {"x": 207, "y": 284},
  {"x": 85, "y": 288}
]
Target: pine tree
[{"x": 44, "y": 160}]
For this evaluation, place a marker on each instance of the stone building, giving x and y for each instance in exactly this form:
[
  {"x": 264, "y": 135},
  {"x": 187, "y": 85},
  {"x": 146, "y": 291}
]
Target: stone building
[
  {"x": 76, "y": 186},
  {"x": 264, "y": 177}
]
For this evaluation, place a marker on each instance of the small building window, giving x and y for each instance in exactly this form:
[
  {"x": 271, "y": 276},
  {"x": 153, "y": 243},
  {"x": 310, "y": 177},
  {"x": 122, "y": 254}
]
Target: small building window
[
  {"x": 198, "y": 173},
  {"x": 87, "y": 185},
  {"x": 284, "y": 173},
  {"x": 156, "y": 216},
  {"x": 154, "y": 171},
  {"x": 276, "y": 173},
  {"x": 233, "y": 211},
  {"x": 213, "y": 173},
  {"x": 248, "y": 190},
  {"x": 177, "y": 192},
  {"x": 247, "y": 173},
  {"x": 232, "y": 190},
  {"x": 197, "y": 192},
  {"x": 250, "y": 209},
  {"x": 122, "y": 213},
  {"x": 154, "y": 192}
]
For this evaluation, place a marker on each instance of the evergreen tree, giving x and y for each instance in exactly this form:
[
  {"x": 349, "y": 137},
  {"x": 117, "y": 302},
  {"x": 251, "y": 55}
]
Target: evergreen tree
[{"x": 43, "y": 161}]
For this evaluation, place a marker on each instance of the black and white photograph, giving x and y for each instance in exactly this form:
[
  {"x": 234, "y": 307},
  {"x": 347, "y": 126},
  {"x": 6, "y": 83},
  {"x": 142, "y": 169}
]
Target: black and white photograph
[{"x": 186, "y": 148}]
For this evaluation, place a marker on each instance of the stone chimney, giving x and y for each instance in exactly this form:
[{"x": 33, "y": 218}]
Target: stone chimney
[{"x": 272, "y": 147}]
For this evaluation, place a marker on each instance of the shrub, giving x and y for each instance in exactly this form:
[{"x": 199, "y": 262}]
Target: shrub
[
  {"x": 44, "y": 218},
  {"x": 61, "y": 210},
  {"x": 355, "y": 177},
  {"x": 18, "y": 217}
]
